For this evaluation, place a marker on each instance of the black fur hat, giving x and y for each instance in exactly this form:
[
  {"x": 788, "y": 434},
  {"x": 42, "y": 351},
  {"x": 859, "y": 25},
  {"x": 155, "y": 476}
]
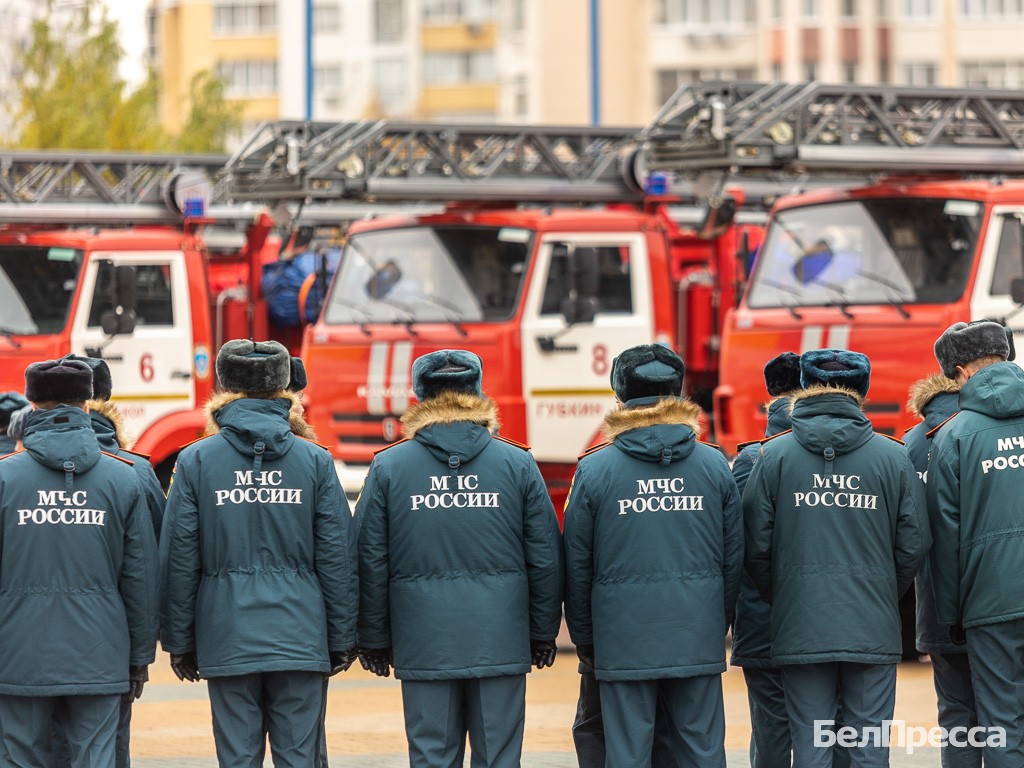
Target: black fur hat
[
  {"x": 11, "y": 402},
  {"x": 782, "y": 374},
  {"x": 253, "y": 366},
  {"x": 101, "y": 383},
  {"x": 447, "y": 370},
  {"x": 836, "y": 368},
  {"x": 298, "y": 381},
  {"x": 647, "y": 370},
  {"x": 963, "y": 343},
  {"x": 58, "y": 381}
]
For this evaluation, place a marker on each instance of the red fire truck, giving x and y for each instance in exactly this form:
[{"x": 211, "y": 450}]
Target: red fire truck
[
  {"x": 882, "y": 268},
  {"x": 546, "y": 257}
]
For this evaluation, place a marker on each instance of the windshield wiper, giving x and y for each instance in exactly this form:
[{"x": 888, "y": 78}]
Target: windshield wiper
[
  {"x": 409, "y": 318},
  {"x": 789, "y": 307},
  {"x": 8, "y": 334},
  {"x": 895, "y": 303},
  {"x": 842, "y": 306},
  {"x": 351, "y": 305},
  {"x": 437, "y": 301}
]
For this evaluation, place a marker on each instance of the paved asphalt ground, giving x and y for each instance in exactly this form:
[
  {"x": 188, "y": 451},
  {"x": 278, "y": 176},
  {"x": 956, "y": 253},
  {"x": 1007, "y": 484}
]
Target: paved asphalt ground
[{"x": 171, "y": 722}]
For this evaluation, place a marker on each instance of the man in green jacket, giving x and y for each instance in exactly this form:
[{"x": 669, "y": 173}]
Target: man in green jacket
[
  {"x": 974, "y": 490},
  {"x": 9, "y": 403},
  {"x": 259, "y": 564},
  {"x": 835, "y": 533},
  {"x": 78, "y": 579},
  {"x": 654, "y": 550},
  {"x": 460, "y": 570}
]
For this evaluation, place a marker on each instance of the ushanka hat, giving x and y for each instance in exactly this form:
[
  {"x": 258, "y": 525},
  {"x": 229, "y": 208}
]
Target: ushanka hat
[
  {"x": 102, "y": 386},
  {"x": 963, "y": 343},
  {"x": 253, "y": 366},
  {"x": 58, "y": 381},
  {"x": 298, "y": 380},
  {"x": 838, "y": 368},
  {"x": 782, "y": 374},
  {"x": 447, "y": 370},
  {"x": 647, "y": 371}
]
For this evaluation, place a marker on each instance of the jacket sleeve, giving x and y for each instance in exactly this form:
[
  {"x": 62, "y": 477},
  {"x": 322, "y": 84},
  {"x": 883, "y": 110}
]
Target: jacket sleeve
[
  {"x": 943, "y": 501},
  {"x": 336, "y": 557},
  {"x": 912, "y": 535},
  {"x": 742, "y": 466},
  {"x": 758, "y": 502},
  {"x": 732, "y": 521},
  {"x": 374, "y": 628},
  {"x": 137, "y": 582},
  {"x": 543, "y": 549},
  {"x": 579, "y": 561},
  {"x": 154, "y": 495},
  {"x": 180, "y": 563}
]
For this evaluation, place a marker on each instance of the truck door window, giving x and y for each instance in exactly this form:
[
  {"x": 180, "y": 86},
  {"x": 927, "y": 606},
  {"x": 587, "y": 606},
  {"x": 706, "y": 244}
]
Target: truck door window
[
  {"x": 1008, "y": 257},
  {"x": 36, "y": 287},
  {"x": 609, "y": 283},
  {"x": 155, "y": 306}
]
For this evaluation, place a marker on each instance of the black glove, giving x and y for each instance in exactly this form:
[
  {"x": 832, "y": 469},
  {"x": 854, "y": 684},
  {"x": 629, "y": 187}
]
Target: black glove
[
  {"x": 137, "y": 677},
  {"x": 185, "y": 666},
  {"x": 342, "y": 660},
  {"x": 542, "y": 653},
  {"x": 957, "y": 634},
  {"x": 376, "y": 660},
  {"x": 585, "y": 653}
]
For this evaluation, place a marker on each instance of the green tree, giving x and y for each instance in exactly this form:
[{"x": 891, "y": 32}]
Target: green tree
[{"x": 71, "y": 96}]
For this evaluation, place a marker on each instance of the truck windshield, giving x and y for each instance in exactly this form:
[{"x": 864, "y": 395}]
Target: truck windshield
[
  {"x": 430, "y": 274},
  {"x": 879, "y": 251},
  {"x": 36, "y": 286}
]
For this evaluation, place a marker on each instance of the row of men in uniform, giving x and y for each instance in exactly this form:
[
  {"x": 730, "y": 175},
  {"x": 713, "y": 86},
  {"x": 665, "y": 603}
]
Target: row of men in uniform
[{"x": 451, "y": 570}]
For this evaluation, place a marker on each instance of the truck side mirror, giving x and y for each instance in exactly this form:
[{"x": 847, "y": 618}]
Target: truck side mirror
[
  {"x": 581, "y": 305},
  {"x": 1017, "y": 290},
  {"x": 120, "y": 319}
]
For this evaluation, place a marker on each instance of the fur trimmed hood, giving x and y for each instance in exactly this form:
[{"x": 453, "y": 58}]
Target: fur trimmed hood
[
  {"x": 112, "y": 413},
  {"x": 448, "y": 408},
  {"x": 924, "y": 391},
  {"x": 667, "y": 411},
  {"x": 296, "y": 414},
  {"x": 816, "y": 390}
]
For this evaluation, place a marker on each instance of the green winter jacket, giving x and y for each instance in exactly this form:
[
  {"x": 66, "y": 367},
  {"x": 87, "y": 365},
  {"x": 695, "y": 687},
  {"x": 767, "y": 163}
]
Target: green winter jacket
[
  {"x": 78, "y": 600},
  {"x": 459, "y": 549},
  {"x": 654, "y": 547},
  {"x": 258, "y": 546},
  {"x": 835, "y": 533},
  {"x": 975, "y": 485}
]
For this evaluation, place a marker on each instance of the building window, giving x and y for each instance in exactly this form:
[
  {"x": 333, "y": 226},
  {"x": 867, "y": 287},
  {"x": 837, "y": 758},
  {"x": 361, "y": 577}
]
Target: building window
[
  {"x": 849, "y": 8},
  {"x": 705, "y": 11},
  {"x": 919, "y": 73},
  {"x": 234, "y": 17},
  {"x": 248, "y": 77},
  {"x": 918, "y": 8},
  {"x": 809, "y": 9},
  {"x": 391, "y": 84},
  {"x": 327, "y": 79},
  {"x": 518, "y": 15},
  {"x": 667, "y": 81},
  {"x": 883, "y": 8},
  {"x": 993, "y": 74},
  {"x": 520, "y": 98},
  {"x": 455, "y": 67},
  {"x": 327, "y": 18},
  {"x": 454, "y": 11},
  {"x": 389, "y": 21},
  {"x": 810, "y": 71}
]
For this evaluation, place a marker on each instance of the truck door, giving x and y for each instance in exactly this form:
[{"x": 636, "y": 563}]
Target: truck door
[
  {"x": 1002, "y": 261},
  {"x": 152, "y": 367},
  {"x": 566, "y": 363}
]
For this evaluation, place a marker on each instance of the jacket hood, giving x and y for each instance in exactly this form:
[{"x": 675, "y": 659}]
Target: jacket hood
[
  {"x": 452, "y": 424},
  {"x": 664, "y": 432},
  {"x": 108, "y": 424},
  {"x": 828, "y": 421},
  {"x": 296, "y": 413},
  {"x": 924, "y": 391},
  {"x": 779, "y": 416},
  {"x": 996, "y": 390},
  {"x": 62, "y": 439},
  {"x": 246, "y": 422}
]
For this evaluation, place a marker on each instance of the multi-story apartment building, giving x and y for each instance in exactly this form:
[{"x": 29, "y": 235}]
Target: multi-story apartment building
[{"x": 570, "y": 61}]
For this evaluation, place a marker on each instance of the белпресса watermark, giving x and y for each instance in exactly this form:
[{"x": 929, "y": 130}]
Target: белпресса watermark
[{"x": 908, "y": 737}]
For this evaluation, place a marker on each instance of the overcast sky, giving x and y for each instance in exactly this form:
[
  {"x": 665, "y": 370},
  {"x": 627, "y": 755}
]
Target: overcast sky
[{"x": 131, "y": 18}]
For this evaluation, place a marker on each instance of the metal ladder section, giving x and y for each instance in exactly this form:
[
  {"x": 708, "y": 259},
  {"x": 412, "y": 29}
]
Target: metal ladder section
[{"x": 818, "y": 129}]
